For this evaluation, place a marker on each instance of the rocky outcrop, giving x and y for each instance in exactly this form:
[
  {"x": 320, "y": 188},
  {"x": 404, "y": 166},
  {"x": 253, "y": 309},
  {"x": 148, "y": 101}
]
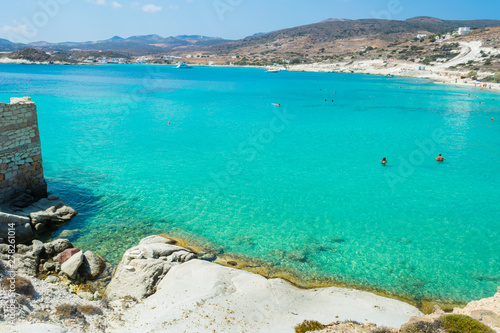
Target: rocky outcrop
[
  {"x": 28, "y": 221},
  {"x": 225, "y": 299},
  {"x": 19, "y": 226},
  {"x": 142, "y": 268},
  {"x": 58, "y": 256}
]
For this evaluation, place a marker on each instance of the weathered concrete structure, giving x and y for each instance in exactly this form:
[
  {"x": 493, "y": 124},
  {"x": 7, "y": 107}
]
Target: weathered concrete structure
[{"x": 20, "y": 151}]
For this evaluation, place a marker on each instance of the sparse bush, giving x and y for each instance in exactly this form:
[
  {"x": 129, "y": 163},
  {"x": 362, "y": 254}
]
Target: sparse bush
[
  {"x": 308, "y": 326},
  {"x": 22, "y": 285},
  {"x": 349, "y": 321},
  {"x": 66, "y": 311},
  {"x": 39, "y": 316},
  {"x": 423, "y": 327},
  {"x": 382, "y": 330},
  {"x": 472, "y": 75},
  {"x": 89, "y": 310},
  {"x": 457, "y": 323}
]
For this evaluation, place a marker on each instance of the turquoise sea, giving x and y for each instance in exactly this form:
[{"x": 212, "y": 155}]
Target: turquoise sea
[{"x": 203, "y": 152}]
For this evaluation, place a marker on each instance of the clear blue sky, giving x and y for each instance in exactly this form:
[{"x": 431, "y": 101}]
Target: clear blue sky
[{"x": 82, "y": 20}]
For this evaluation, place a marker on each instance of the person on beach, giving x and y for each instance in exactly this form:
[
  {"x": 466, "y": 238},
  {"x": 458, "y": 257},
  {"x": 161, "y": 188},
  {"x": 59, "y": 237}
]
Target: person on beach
[
  {"x": 440, "y": 158},
  {"x": 384, "y": 161}
]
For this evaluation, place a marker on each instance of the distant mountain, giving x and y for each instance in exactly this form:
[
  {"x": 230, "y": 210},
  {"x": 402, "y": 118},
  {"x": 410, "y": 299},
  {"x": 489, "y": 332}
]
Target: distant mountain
[
  {"x": 131, "y": 45},
  {"x": 323, "y": 35},
  {"x": 6, "y": 45}
]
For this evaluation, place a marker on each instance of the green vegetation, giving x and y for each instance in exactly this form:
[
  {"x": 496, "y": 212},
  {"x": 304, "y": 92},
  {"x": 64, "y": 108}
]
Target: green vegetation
[
  {"x": 472, "y": 75},
  {"x": 454, "y": 323},
  {"x": 308, "y": 326},
  {"x": 493, "y": 78},
  {"x": 457, "y": 323}
]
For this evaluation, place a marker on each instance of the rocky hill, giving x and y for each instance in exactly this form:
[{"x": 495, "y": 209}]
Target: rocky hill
[{"x": 338, "y": 36}]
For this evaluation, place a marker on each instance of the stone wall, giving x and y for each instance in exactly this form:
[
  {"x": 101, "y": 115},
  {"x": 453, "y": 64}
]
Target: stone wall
[{"x": 20, "y": 151}]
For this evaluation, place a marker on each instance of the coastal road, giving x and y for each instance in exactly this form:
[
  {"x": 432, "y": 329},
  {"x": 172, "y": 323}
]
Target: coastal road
[{"x": 469, "y": 51}]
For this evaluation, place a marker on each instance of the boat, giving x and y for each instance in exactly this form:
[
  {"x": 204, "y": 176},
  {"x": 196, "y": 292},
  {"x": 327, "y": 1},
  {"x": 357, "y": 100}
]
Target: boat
[
  {"x": 272, "y": 70},
  {"x": 183, "y": 65}
]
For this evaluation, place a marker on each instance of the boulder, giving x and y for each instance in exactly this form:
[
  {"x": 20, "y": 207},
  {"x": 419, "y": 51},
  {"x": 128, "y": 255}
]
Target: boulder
[
  {"x": 52, "y": 279},
  {"x": 51, "y": 267},
  {"x": 21, "y": 227},
  {"x": 70, "y": 267},
  {"x": 53, "y": 216},
  {"x": 37, "y": 248},
  {"x": 66, "y": 254},
  {"x": 138, "y": 279},
  {"x": 92, "y": 266},
  {"x": 57, "y": 246},
  {"x": 142, "y": 268}
]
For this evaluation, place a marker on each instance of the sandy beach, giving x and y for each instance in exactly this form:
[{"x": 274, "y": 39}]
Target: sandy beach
[{"x": 397, "y": 68}]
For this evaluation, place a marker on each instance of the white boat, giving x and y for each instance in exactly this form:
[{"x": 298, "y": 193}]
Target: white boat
[
  {"x": 183, "y": 65},
  {"x": 272, "y": 70}
]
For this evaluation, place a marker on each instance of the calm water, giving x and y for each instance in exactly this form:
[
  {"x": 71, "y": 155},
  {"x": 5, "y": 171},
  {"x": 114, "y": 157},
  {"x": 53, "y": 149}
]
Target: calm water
[{"x": 299, "y": 186}]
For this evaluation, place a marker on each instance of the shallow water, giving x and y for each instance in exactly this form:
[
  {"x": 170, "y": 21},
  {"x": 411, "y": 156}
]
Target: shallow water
[{"x": 299, "y": 186}]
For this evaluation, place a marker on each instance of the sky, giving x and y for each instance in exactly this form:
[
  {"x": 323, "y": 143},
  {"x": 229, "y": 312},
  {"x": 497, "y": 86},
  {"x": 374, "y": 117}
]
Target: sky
[{"x": 85, "y": 20}]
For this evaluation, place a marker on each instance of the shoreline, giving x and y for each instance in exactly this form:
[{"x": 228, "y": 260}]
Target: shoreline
[
  {"x": 266, "y": 269},
  {"x": 371, "y": 67}
]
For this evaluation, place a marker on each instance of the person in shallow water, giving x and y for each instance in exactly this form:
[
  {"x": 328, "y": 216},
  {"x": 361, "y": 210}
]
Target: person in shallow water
[
  {"x": 440, "y": 158},
  {"x": 384, "y": 161}
]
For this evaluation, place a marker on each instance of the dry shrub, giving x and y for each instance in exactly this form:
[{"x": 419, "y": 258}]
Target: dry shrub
[
  {"x": 89, "y": 310},
  {"x": 21, "y": 285}
]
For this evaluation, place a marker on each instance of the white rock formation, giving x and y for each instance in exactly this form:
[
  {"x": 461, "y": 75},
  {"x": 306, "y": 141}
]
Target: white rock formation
[
  {"x": 199, "y": 296},
  {"x": 142, "y": 267}
]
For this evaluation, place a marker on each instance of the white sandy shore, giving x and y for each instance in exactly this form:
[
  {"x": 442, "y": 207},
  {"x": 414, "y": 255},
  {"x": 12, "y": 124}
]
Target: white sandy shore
[{"x": 397, "y": 68}]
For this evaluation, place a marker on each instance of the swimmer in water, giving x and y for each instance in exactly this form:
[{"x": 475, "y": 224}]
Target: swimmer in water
[
  {"x": 440, "y": 158},
  {"x": 384, "y": 161}
]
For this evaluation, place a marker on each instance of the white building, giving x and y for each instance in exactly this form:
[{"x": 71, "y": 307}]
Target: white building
[
  {"x": 421, "y": 36},
  {"x": 463, "y": 31},
  {"x": 141, "y": 61}
]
